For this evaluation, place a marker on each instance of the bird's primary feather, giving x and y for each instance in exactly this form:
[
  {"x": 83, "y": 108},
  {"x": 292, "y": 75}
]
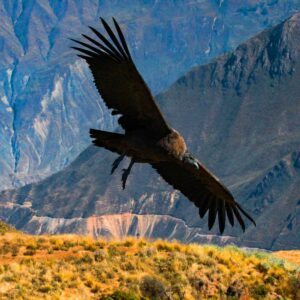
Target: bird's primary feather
[
  {"x": 204, "y": 190},
  {"x": 120, "y": 84}
]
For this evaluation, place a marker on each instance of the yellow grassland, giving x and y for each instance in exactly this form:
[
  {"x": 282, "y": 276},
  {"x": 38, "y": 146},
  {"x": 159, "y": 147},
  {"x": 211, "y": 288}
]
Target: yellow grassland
[
  {"x": 292, "y": 255},
  {"x": 77, "y": 267}
]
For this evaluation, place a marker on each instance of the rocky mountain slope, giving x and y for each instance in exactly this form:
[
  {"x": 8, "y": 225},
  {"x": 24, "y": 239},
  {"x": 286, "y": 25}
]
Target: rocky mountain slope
[
  {"x": 47, "y": 99},
  {"x": 239, "y": 115}
]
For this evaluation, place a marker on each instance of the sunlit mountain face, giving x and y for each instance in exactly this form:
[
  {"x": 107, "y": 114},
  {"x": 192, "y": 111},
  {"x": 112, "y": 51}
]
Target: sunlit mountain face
[
  {"x": 239, "y": 115},
  {"x": 47, "y": 98}
]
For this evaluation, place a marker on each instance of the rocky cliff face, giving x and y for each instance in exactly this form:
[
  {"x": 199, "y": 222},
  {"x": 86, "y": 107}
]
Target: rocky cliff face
[
  {"x": 239, "y": 115},
  {"x": 47, "y": 99}
]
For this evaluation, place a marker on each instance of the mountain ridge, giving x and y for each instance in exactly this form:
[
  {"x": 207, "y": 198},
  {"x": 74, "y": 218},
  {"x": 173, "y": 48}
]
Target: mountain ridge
[
  {"x": 39, "y": 72},
  {"x": 240, "y": 128}
]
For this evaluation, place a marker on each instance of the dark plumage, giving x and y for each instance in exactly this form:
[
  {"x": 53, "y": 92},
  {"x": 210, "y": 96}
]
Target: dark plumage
[{"x": 148, "y": 138}]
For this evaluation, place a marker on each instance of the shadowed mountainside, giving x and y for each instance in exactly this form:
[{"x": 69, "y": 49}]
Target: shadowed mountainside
[
  {"x": 239, "y": 115},
  {"x": 47, "y": 98}
]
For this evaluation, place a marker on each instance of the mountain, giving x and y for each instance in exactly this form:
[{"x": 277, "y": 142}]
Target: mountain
[
  {"x": 239, "y": 114},
  {"x": 47, "y": 98}
]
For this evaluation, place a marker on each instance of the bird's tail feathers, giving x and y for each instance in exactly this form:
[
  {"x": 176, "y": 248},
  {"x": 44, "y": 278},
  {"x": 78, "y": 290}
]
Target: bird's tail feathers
[{"x": 109, "y": 140}]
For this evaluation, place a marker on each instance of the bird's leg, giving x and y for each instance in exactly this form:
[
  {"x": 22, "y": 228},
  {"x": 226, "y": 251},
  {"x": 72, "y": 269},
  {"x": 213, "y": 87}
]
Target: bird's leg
[
  {"x": 117, "y": 162},
  {"x": 126, "y": 173}
]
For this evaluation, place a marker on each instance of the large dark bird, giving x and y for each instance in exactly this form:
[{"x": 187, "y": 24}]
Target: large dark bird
[{"x": 148, "y": 138}]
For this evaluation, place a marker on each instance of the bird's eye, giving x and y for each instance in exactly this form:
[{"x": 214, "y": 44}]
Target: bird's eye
[
  {"x": 191, "y": 161},
  {"x": 196, "y": 164}
]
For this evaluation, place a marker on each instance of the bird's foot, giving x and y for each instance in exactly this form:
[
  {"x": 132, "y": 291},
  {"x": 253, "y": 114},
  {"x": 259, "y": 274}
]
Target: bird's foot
[
  {"x": 124, "y": 177},
  {"x": 116, "y": 163},
  {"x": 125, "y": 174}
]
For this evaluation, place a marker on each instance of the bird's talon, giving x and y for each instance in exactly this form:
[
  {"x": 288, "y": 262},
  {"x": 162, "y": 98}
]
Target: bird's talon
[
  {"x": 126, "y": 173},
  {"x": 116, "y": 163}
]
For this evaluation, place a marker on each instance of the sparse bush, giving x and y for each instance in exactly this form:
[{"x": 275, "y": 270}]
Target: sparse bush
[
  {"x": 9, "y": 278},
  {"x": 99, "y": 255},
  {"x": 259, "y": 291},
  {"x": 95, "y": 289},
  {"x": 128, "y": 266},
  {"x": 294, "y": 286},
  {"x": 29, "y": 252},
  {"x": 121, "y": 295},
  {"x": 85, "y": 259},
  {"x": 100, "y": 244},
  {"x": 90, "y": 247},
  {"x": 112, "y": 250},
  {"x": 197, "y": 283},
  {"x": 45, "y": 289},
  {"x": 152, "y": 288},
  {"x": 142, "y": 243},
  {"x": 6, "y": 248},
  {"x": 41, "y": 240},
  {"x": 235, "y": 290},
  {"x": 151, "y": 251},
  {"x": 270, "y": 279},
  {"x": 57, "y": 278},
  {"x": 128, "y": 243},
  {"x": 31, "y": 247},
  {"x": 262, "y": 267},
  {"x": 69, "y": 244},
  {"x": 164, "y": 246},
  {"x": 53, "y": 241}
]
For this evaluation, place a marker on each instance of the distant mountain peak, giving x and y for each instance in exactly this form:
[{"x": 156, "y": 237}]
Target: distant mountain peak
[
  {"x": 274, "y": 50},
  {"x": 282, "y": 46}
]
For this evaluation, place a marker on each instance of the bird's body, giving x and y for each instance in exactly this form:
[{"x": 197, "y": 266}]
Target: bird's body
[
  {"x": 148, "y": 138},
  {"x": 141, "y": 146}
]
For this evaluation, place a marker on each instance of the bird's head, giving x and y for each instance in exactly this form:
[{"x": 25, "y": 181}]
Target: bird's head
[{"x": 188, "y": 158}]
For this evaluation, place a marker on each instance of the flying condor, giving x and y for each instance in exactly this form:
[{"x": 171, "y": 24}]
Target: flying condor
[{"x": 148, "y": 138}]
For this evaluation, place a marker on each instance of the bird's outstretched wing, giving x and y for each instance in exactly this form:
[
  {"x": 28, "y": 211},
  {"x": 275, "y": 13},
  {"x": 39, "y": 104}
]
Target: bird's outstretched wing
[
  {"x": 204, "y": 190},
  {"x": 119, "y": 82}
]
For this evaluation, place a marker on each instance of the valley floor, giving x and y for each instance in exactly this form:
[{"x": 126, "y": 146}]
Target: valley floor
[{"x": 76, "y": 267}]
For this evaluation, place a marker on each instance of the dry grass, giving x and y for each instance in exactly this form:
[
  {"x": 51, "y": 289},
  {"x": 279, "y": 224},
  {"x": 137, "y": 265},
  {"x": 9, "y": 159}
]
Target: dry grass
[
  {"x": 74, "y": 267},
  {"x": 292, "y": 256}
]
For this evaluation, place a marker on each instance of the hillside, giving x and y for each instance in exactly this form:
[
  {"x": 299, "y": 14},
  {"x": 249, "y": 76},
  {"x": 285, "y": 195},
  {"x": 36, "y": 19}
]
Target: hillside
[
  {"x": 74, "y": 267},
  {"x": 239, "y": 115},
  {"x": 5, "y": 228},
  {"x": 47, "y": 98}
]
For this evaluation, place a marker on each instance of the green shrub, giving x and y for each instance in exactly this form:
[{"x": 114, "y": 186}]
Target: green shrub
[
  {"x": 99, "y": 255},
  {"x": 294, "y": 287},
  {"x": 153, "y": 288},
  {"x": 31, "y": 247},
  {"x": 259, "y": 291},
  {"x": 89, "y": 247},
  {"x": 85, "y": 259},
  {"x": 45, "y": 289},
  {"x": 262, "y": 267},
  {"x": 128, "y": 243}
]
